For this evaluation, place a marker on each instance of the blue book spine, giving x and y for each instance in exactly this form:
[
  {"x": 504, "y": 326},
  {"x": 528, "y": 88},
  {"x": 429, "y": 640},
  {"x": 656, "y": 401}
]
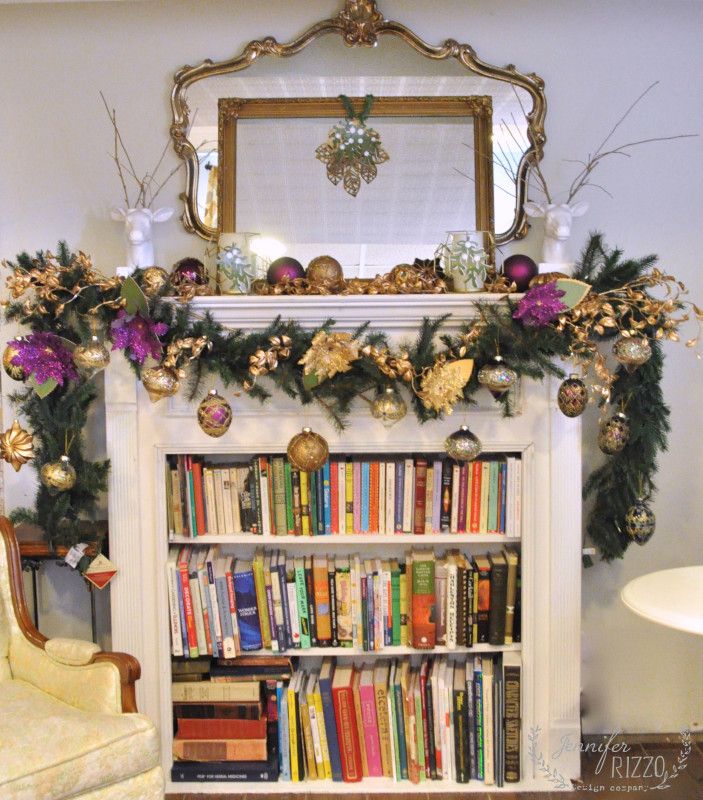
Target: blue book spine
[
  {"x": 326, "y": 498},
  {"x": 320, "y": 500},
  {"x": 365, "y": 495},
  {"x": 399, "y": 488},
  {"x": 223, "y": 603},
  {"x": 331, "y": 728},
  {"x": 400, "y": 719},
  {"x": 283, "y": 738},
  {"x": 247, "y": 611},
  {"x": 281, "y": 569},
  {"x": 503, "y": 494},
  {"x": 182, "y": 613}
]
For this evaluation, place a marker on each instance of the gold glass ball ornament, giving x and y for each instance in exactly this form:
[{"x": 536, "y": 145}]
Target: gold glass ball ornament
[
  {"x": 214, "y": 414},
  {"x": 497, "y": 377},
  {"x": 325, "y": 271},
  {"x": 632, "y": 351},
  {"x": 160, "y": 382},
  {"x": 16, "y": 446},
  {"x": 91, "y": 357},
  {"x": 572, "y": 396},
  {"x": 640, "y": 521},
  {"x": 389, "y": 407},
  {"x": 16, "y": 372},
  {"x": 308, "y": 451},
  {"x": 153, "y": 280},
  {"x": 58, "y": 475},
  {"x": 614, "y": 434},
  {"x": 462, "y": 445}
]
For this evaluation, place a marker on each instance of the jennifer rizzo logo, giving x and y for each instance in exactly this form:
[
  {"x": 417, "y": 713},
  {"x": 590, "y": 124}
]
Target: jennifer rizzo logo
[{"x": 617, "y": 762}]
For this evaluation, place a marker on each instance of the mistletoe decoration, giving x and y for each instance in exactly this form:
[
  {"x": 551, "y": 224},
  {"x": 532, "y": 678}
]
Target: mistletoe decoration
[{"x": 65, "y": 301}]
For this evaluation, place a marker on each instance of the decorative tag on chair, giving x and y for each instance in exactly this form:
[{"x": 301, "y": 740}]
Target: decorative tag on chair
[{"x": 352, "y": 150}]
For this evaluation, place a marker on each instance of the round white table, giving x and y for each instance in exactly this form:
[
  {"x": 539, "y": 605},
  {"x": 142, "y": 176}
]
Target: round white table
[{"x": 672, "y": 597}]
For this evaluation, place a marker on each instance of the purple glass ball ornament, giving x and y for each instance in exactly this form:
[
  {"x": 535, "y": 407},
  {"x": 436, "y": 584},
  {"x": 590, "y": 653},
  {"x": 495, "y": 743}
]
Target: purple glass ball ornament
[
  {"x": 188, "y": 271},
  {"x": 284, "y": 268},
  {"x": 521, "y": 270}
]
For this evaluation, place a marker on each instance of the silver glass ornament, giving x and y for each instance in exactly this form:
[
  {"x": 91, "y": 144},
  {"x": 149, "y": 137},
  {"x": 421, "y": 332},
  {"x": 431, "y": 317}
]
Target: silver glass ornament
[
  {"x": 497, "y": 377},
  {"x": 462, "y": 445},
  {"x": 632, "y": 351},
  {"x": 389, "y": 407}
]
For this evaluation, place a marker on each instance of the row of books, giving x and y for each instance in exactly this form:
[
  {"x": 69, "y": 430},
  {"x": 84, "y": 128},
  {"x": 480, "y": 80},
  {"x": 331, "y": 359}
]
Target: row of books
[
  {"x": 440, "y": 719},
  {"x": 347, "y": 496},
  {"x": 221, "y": 605}
]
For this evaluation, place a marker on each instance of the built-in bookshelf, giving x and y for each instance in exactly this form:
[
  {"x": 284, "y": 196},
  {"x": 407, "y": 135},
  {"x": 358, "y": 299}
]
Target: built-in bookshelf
[{"x": 144, "y": 440}]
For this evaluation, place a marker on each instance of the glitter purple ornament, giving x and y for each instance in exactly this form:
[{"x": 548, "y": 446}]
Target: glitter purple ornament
[
  {"x": 540, "y": 306},
  {"x": 137, "y": 336},
  {"x": 284, "y": 268},
  {"x": 45, "y": 356}
]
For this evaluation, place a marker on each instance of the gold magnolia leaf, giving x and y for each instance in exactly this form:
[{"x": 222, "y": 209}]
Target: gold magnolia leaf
[{"x": 352, "y": 182}]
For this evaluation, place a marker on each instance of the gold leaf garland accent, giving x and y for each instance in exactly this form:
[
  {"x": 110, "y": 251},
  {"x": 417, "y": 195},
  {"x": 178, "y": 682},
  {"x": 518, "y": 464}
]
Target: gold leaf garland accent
[
  {"x": 329, "y": 354},
  {"x": 442, "y": 384}
]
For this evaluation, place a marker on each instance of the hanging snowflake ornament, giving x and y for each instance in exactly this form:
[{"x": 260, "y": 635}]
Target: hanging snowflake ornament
[{"x": 352, "y": 149}]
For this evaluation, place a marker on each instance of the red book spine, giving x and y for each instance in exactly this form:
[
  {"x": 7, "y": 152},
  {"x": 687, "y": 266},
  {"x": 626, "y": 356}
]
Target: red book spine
[
  {"x": 345, "y": 717},
  {"x": 222, "y": 728},
  {"x": 463, "y": 498},
  {"x": 373, "y": 492},
  {"x": 475, "y": 496},
  {"x": 199, "y": 502},
  {"x": 188, "y": 607},
  {"x": 334, "y": 497},
  {"x": 420, "y": 492}
]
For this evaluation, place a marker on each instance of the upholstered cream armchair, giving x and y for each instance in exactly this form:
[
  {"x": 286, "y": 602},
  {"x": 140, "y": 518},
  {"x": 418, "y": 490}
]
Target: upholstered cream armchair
[{"x": 68, "y": 726}]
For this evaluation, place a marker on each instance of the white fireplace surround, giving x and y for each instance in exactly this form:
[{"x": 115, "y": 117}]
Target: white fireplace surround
[{"x": 140, "y": 433}]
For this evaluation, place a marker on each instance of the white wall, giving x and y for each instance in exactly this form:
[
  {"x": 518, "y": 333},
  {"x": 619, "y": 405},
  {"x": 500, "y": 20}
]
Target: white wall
[{"x": 56, "y": 181}]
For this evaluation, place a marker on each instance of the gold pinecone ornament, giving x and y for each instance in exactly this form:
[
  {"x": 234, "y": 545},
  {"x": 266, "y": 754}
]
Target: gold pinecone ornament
[
  {"x": 572, "y": 396},
  {"x": 91, "y": 357},
  {"x": 16, "y": 372},
  {"x": 308, "y": 451},
  {"x": 16, "y": 446},
  {"x": 614, "y": 434},
  {"x": 214, "y": 414},
  {"x": 389, "y": 407},
  {"x": 463, "y": 445},
  {"x": 160, "y": 382},
  {"x": 58, "y": 475}
]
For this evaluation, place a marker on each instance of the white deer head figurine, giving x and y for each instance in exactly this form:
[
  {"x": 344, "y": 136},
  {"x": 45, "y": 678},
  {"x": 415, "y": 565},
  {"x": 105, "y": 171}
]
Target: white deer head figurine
[
  {"x": 137, "y": 225},
  {"x": 557, "y": 226}
]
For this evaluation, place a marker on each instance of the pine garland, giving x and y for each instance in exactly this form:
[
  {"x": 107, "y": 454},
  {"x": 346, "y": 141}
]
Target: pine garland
[{"x": 533, "y": 352}]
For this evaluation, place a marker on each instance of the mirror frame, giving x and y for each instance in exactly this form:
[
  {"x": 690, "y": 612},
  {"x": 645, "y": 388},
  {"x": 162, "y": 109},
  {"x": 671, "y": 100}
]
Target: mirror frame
[
  {"x": 359, "y": 24},
  {"x": 478, "y": 108}
]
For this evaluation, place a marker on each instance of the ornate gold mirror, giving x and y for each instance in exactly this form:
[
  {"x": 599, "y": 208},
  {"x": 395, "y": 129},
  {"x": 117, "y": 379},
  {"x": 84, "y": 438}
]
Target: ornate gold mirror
[{"x": 249, "y": 141}]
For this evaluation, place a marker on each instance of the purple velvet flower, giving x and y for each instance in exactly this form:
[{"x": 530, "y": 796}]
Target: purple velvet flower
[
  {"x": 137, "y": 336},
  {"x": 44, "y": 356},
  {"x": 540, "y": 305}
]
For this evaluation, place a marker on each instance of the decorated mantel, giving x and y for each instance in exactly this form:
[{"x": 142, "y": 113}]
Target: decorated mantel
[{"x": 453, "y": 349}]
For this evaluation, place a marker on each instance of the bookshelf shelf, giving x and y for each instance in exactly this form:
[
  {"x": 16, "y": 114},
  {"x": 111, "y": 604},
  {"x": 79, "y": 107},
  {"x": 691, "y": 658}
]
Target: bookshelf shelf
[
  {"x": 343, "y": 540},
  {"x": 386, "y": 652}
]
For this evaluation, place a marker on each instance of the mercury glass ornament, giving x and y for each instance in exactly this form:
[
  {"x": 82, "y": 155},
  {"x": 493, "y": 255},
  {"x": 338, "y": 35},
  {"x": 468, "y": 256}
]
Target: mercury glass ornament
[
  {"x": 614, "y": 434},
  {"x": 325, "y": 271},
  {"x": 497, "y": 377},
  {"x": 572, "y": 396},
  {"x": 214, "y": 414},
  {"x": 389, "y": 407},
  {"x": 91, "y": 357},
  {"x": 153, "y": 280},
  {"x": 16, "y": 372},
  {"x": 632, "y": 351},
  {"x": 640, "y": 521},
  {"x": 462, "y": 445},
  {"x": 308, "y": 451},
  {"x": 160, "y": 382},
  {"x": 59, "y": 475}
]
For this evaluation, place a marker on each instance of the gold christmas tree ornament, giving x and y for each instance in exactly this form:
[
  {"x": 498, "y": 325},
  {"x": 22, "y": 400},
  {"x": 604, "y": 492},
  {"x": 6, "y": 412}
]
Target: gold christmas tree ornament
[
  {"x": 389, "y": 407},
  {"x": 160, "y": 382},
  {"x": 16, "y": 446},
  {"x": 91, "y": 357},
  {"x": 214, "y": 414},
  {"x": 15, "y": 372},
  {"x": 58, "y": 475},
  {"x": 153, "y": 280},
  {"x": 308, "y": 451},
  {"x": 463, "y": 445},
  {"x": 632, "y": 351}
]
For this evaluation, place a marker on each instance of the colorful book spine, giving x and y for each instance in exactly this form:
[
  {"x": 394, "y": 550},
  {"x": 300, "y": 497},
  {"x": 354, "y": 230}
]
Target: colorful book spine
[
  {"x": 327, "y": 498},
  {"x": 247, "y": 608}
]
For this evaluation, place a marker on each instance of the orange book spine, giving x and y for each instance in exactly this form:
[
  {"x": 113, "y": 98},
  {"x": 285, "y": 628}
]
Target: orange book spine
[
  {"x": 321, "y": 592},
  {"x": 373, "y": 497},
  {"x": 220, "y": 749},
  {"x": 198, "y": 495}
]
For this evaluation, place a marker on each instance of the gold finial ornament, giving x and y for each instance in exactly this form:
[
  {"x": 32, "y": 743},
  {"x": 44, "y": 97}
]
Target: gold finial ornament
[
  {"x": 16, "y": 446},
  {"x": 160, "y": 382}
]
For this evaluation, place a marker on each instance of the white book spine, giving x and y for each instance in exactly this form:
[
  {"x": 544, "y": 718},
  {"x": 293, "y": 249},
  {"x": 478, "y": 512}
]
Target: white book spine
[
  {"x": 452, "y": 599},
  {"x": 381, "y": 498},
  {"x": 488, "y": 749},
  {"x": 213, "y": 598},
  {"x": 210, "y": 504},
  {"x": 518, "y": 497},
  {"x": 174, "y": 610},
  {"x": 219, "y": 500},
  {"x": 265, "y": 505},
  {"x": 198, "y": 614},
  {"x": 354, "y": 573},
  {"x": 408, "y": 495},
  {"x": 224, "y": 475},
  {"x": 509, "y": 496},
  {"x": 235, "y": 489},
  {"x": 342, "y": 496},
  {"x": 378, "y": 606},
  {"x": 293, "y": 612},
  {"x": 454, "y": 519},
  {"x": 429, "y": 499},
  {"x": 390, "y": 497},
  {"x": 447, "y": 762},
  {"x": 437, "y": 496}
]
